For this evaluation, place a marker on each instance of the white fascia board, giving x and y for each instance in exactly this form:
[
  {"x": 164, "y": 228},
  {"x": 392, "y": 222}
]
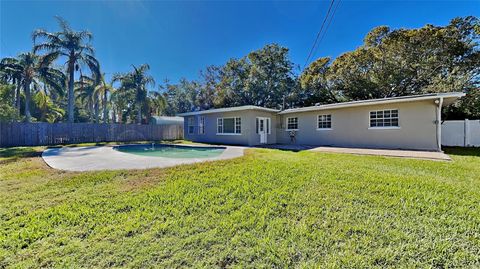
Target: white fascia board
[
  {"x": 229, "y": 109},
  {"x": 453, "y": 95}
]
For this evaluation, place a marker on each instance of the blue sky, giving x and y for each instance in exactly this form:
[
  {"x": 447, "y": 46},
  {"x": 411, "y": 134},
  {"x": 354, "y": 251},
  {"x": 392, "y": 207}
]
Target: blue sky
[{"x": 178, "y": 39}]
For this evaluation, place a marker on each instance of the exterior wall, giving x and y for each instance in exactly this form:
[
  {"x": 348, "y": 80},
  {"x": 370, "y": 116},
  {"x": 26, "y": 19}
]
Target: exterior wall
[
  {"x": 254, "y": 137},
  {"x": 248, "y": 135},
  {"x": 350, "y": 127}
]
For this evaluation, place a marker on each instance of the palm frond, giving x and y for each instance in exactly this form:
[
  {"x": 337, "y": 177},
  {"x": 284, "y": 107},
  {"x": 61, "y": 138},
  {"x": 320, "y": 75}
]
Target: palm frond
[
  {"x": 50, "y": 37},
  {"x": 47, "y": 59},
  {"x": 63, "y": 24},
  {"x": 47, "y": 47}
]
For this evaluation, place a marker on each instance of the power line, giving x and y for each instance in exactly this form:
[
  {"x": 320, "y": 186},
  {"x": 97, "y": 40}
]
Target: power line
[
  {"x": 326, "y": 28},
  {"x": 319, "y": 33}
]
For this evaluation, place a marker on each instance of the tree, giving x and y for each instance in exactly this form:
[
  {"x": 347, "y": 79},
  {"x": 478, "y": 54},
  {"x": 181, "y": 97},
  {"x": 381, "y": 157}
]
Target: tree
[
  {"x": 136, "y": 81},
  {"x": 207, "y": 92},
  {"x": 13, "y": 76},
  {"x": 73, "y": 45},
  {"x": 87, "y": 95},
  {"x": 411, "y": 61},
  {"x": 34, "y": 70},
  {"x": 316, "y": 85},
  {"x": 104, "y": 89},
  {"x": 403, "y": 62},
  {"x": 49, "y": 112},
  {"x": 157, "y": 103},
  {"x": 122, "y": 102},
  {"x": 7, "y": 110},
  {"x": 271, "y": 75},
  {"x": 264, "y": 77},
  {"x": 232, "y": 87}
]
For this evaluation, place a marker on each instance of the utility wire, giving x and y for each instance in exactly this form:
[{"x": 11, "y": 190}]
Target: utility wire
[
  {"x": 319, "y": 33},
  {"x": 326, "y": 28}
]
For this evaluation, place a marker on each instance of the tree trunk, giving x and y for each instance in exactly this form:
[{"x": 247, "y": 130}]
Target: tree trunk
[
  {"x": 96, "y": 108},
  {"x": 92, "y": 112},
  {"x": 71, "y": 97},
  {"x": 26, "y": 88},
  {"x": 114, "y": 115},
  {"x": 105, "y": 112},
  {"x": 18, "y": 98},
  {"x": 139, "y": 113}
]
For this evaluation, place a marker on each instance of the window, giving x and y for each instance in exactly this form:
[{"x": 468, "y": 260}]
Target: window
[
  {"x": 324, "y": 122},
  {"x": 292, "y": 123},
  {"x": 384, "y": 118},
  {"x": 229, "y": 125},
  {"x": 191, "y": 125},
  {"x": 238, "y": 125},
  {"x": 201, "y": 125},
  {"x": 219, "y": 125}
]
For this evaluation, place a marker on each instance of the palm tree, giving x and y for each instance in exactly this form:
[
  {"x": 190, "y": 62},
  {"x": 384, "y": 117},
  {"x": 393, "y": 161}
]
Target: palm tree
[
  {"x": 136, "y": 81},
  {"x": 49, "y": 112},
  {"x": 85, "y": 87},
  {"x": 32, "y": 69},
  {"x": 158, "y": 103},
  {"x": 75, "y": 46},
  {"x": 122, "y": 101},
  {"x": 103, "y": 89},
  {"x": 15, "y": 77}
]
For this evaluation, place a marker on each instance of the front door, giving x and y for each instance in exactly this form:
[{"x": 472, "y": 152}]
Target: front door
[{"x": 262, "y": 130}]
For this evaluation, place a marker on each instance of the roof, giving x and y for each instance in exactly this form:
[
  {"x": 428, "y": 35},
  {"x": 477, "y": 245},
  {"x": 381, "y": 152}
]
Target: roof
[
  {"x": 166, "y": 120},
  {"x": 448, "y": 99},
  {"x": 229, "y": 109}
]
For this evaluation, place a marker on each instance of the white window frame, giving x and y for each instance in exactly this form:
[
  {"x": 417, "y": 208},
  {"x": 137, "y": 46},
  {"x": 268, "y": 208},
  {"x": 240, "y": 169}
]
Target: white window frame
[
  {"x": 201, "y": 125},
  {"x": 286, "y": 124},
  {"x": 268, "y": 125},
  {"x": 318, "y": 121},
  {"x": 237, "y": 122},
  {"x": 191, "y": 123},
  {"x": 384, "y": 127}
]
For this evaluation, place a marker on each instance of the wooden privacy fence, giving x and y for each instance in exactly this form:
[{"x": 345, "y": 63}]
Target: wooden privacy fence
[{"x": 36, "y": 134}]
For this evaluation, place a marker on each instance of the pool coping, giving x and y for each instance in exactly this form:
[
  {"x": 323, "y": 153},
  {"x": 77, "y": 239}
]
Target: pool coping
[{"x": 96, "y": 158}]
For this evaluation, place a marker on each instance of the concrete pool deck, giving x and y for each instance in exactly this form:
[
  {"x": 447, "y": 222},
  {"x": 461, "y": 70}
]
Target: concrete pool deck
[
  {"x": 106, "y": 158},
  {"x": 410, "y": 154}
]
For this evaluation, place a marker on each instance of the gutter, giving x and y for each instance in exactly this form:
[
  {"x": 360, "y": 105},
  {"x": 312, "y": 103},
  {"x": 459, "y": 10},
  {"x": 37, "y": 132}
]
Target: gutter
[
  {"x": 438, "y": 122},
  {"x": 370, "y": 102}
]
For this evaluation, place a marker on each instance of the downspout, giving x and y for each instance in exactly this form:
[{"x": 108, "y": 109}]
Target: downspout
[{"x": 438, "y": 121}]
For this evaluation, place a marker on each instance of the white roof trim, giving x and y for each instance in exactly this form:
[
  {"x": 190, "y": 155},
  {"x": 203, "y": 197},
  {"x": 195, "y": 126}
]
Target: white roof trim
[
  {"x": 376, "y": 102},
  {"x": 228, "y": 109}
]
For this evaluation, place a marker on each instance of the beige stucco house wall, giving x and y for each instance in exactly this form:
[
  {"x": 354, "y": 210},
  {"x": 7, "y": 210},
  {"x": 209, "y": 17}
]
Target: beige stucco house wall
[
  {"x": 419, "y": 124},
  {"x": 351, "y": 127},
  {"x": 248, "y": 135}
]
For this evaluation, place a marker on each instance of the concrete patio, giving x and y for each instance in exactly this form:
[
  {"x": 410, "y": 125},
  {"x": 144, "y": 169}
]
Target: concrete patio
[
  {"x": 413, "y": 154},
  {"x": 106, "y": 158}
]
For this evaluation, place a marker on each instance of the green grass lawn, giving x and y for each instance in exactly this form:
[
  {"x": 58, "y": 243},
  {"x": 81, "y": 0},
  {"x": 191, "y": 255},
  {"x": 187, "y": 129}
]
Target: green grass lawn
[{"x": 269, "y": 208}]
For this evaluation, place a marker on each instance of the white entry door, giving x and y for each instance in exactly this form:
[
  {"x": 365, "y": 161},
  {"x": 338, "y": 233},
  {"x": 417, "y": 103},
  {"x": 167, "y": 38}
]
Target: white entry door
[{"x": 262, "y": 130}]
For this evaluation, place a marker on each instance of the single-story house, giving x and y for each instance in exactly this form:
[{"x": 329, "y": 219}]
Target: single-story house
[{"x": 407, "y": 122}]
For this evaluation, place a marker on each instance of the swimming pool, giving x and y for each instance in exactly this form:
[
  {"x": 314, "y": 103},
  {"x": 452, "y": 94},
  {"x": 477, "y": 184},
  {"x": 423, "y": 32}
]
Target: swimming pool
[{"x": 171, "y": 151}]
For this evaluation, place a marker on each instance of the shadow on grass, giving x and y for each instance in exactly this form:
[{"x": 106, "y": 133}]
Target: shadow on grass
[
  {"x": 286, "y": 147},
  {"x": 19, "y": 152},
  {"x": 462, "y": 151}
]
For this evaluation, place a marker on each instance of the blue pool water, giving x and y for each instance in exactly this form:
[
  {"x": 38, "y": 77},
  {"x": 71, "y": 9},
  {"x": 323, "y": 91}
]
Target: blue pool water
[{"x": 171, "y": 151}]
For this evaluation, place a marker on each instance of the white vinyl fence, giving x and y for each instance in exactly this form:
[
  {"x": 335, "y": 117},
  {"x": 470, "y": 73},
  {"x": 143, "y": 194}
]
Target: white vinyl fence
[{"x": 461, "y": 133}]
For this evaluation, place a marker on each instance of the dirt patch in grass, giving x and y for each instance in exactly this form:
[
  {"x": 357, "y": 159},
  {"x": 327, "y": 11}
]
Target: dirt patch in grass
[{"x": 137, "y": 180}]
